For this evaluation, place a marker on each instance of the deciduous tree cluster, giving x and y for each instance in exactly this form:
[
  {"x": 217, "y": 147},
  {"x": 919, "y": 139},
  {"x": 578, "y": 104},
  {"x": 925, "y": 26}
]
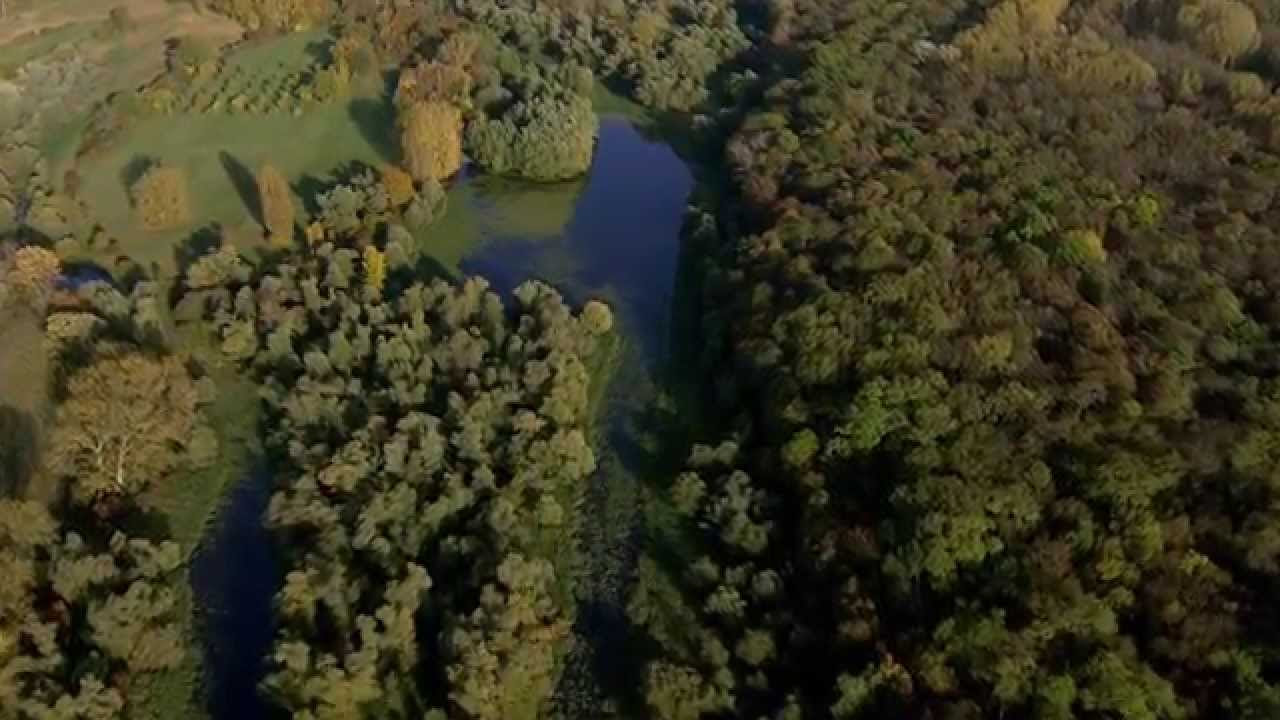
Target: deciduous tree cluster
[
  {"x": 668, "y": 52},
  {"x": 547, "y": 136},
  {"x": 429, "y": 446},
  {"x": 998, "y": 338},
  {"x": 80, "y": 617},
  {"x": 275, "y": 15},
  {"x": 92, "y": 607}
]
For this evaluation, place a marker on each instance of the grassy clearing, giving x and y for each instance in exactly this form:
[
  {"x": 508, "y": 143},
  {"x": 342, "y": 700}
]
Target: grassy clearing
[
  {"x": 32, "y": 20},
  {"x": 263, "y": 77},
  {"x": 190, "y": 504},
  {"x": 289, "y": 52},
  {"x": 608, "y": 102},
  {"x": 83, "y": 60},
  {"x": 219, "y": 154},
  {"x": 127, "y": 59},
  {"x": 190, "y": 501}
]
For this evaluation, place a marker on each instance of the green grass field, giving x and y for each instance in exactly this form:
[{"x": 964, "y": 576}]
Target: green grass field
[{"x": 219, "y": 154}]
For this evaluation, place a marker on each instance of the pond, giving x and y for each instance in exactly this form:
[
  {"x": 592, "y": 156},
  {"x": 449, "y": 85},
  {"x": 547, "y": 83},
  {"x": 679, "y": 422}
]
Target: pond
[
  {"x": 621, "y": 243},
  {"x": 614, "y": 235}
]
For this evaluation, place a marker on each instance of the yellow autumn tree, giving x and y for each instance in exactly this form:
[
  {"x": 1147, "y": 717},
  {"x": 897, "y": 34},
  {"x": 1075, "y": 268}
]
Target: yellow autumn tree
[
  {"x": 398, "y": 184},
  {"x": 123, "y": 424},
  {"x": 433, "y": 81},
  {"x": 277, "y": 203},
  {"x": 375, "y": 270},
  {"x": 431, "y": 139},
  {"x": 315, "y": 233},
  {"x": 160, "y": 197},
  {"x": 32, "y": 275}
]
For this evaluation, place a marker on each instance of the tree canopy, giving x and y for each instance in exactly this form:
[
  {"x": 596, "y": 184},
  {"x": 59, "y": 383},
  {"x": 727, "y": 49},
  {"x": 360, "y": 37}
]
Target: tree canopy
[
  {"x": 996, "y": 335},
  {"x": 123, "y": 424},
  {"x": 419, "y": 433}
]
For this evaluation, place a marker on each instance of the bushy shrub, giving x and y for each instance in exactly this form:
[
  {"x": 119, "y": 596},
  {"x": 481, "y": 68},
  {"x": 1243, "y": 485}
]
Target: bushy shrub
[{"x": 160, "y": 197}]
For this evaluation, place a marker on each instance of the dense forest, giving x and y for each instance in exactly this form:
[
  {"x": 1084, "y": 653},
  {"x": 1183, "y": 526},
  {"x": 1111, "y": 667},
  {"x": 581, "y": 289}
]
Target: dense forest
[
  {"x": 1001, "y": 321},
  {"x": 429, "y": 450},
  {"x": 989, "y": 299}
]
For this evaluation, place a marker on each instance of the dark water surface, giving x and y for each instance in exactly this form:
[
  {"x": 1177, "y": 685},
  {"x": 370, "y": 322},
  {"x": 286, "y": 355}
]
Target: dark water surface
[
  {"x": 621, "y": 243},
  {"x": 614, "y": 236},
  {"x": 235, "y": 576}
]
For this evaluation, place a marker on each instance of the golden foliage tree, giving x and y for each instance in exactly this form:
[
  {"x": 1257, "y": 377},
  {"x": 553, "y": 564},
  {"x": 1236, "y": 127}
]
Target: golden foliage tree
[
  {"x": 277, "y": 15},
  {"x": 122, "y": 424},
  {"x": 506, "y": 667},
  {"x": 32, "y": 275},
  {"x": 398, "y": 184},
  {"x": 277, "y": 203},
  {"x": 160, "y": 197},
  {"x": 434, "y": 81},
  {"x": 375, "y": 270},
  {"x": 431, "y": 139}
]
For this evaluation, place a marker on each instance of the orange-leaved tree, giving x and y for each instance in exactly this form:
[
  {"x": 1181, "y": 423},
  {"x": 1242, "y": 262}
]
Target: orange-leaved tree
[{"x": 431, "y": 139}]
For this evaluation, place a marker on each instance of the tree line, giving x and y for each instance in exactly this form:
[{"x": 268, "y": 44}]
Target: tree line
[{"x": 89, "y": 612}]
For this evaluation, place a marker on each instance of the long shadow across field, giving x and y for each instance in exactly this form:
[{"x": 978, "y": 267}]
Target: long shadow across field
[
  {"x": 375, "y": 117},
  {"x": 18, "y": 436},
  {"x": 245, "y": 184}
]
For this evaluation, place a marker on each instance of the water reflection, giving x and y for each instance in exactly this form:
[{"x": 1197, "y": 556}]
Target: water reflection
[{"x": 621, "y": 242}]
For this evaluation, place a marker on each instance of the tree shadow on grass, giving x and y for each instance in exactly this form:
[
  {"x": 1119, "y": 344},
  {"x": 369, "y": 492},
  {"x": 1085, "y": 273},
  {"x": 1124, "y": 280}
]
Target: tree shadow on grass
[
  {"x": 375, "y": 118},
  {"x": 320, "y": 52},
  {"x": 198, "y": 244},
  {"x": 246, "y": 185},
  {"x": 309, "y": 187},
  {"x": 202, "y": 242},
  {"x": 133, "y": 171},
  {"x": 18, "y": 450}
]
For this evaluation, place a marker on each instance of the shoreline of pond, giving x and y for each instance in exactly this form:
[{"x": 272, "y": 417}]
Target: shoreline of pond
[{"x": 218, "y": 573}]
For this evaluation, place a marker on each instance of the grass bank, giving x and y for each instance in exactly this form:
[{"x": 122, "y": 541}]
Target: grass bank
[{"x": 190, "y": 506}]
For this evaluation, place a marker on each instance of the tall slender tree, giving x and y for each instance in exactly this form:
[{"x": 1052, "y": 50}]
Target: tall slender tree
[{"x": 277, "y": 203}]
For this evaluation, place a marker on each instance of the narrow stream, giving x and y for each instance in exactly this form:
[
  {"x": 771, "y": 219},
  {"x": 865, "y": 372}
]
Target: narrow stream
[
  {"x": 615, "y": 236},
  {"x": 234, "y": 575}
]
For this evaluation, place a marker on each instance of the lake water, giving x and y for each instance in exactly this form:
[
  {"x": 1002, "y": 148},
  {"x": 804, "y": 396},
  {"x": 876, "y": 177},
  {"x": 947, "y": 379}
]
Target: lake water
[
  {"x": 620, "y": 244},
  {"x": 614, "y": 235}
]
